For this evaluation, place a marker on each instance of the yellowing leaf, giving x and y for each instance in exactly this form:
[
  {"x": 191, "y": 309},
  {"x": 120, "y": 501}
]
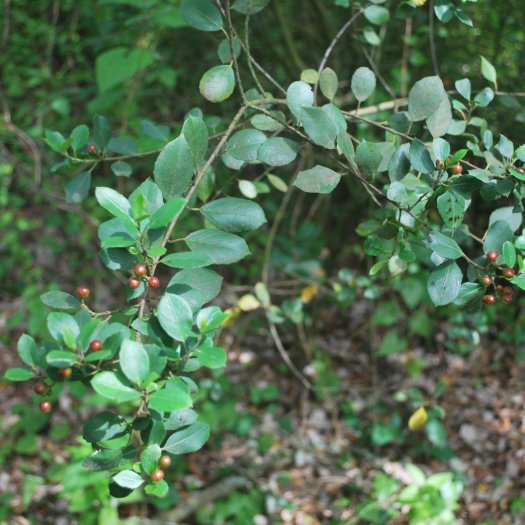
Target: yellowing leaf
[
  {"x": 233, "y": 315},
  {"x": 308, "y": 293},
  {"x": 420, "y": 3},
  {"x": 418, "y": 419},
  {"x": 248, "y": 302}
]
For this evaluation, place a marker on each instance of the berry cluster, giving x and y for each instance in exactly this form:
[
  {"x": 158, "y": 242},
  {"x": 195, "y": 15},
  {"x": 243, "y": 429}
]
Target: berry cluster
[
  {"x": 158, "y": 473},
  {"x": 457, "y": 168},
  {"x": 500, "y": 289},
  {"x": 141, "y": 272}
]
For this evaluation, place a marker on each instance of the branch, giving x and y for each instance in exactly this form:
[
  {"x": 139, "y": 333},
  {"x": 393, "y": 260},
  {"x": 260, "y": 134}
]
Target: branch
[{"x": 231, "y": 34}]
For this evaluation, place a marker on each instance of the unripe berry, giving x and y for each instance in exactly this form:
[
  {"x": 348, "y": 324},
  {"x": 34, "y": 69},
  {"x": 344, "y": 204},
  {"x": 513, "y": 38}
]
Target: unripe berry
[
  {"x": 83, "y": 292},
  {"x": 95, "y": 345},
  {"x": 133, "y": 283},
  {"x": 65, "y": 372},
  {"x": 165, "y": 461},
  {"x": 509, "y": 273},
  {"x": 440, "y": 164},
  {"x": 489, "y": 299},
  {"x": 45, "y": 406},
  {"x": 140, "y": 270},
  {"x": 457, "y": 169},
  {"x": 40, "y": 389},
  {"x": 492, "y": 256},
  {"x": 92, "y": 148},
  {"x": 154, "y": 282},
  {"x": 157, "y": 475},
  {"x": 486, "y": 280}
]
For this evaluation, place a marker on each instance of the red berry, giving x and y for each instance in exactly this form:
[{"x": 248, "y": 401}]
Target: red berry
[
  {"x": 133, "y": 283},
  {"x": 92, "y": 148},
  {"x": 154, "y": 282},
  {"x": 489, "y": 299},
  {"x": 486, "y": 280},
  {"x": 508, "y": 290},
  {"x": 65, "y": 372},
  {"x": 165, "y": 461},
  {"x": 83, "y": 292},
  {"x": 507, "y": 299},
  {"x": 157, "y": 474},
  {"x": 457, "y": 169},
  {"x": 140, "y": 270},
  {"x": 45, "y": 406},
  {"x": 509, "y": 273},
  {"x": 492, "y": 256},
  {"x": 521, "y": 170},
  {"x": 499, "y": 287},
  {"x": 95, "y": 345},
  {"x": 40, "y": 389}
]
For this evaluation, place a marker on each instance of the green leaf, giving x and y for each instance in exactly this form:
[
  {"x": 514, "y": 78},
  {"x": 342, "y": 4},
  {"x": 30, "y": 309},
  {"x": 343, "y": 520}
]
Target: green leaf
[
  {"x": 114, "y": 387},
  {"x": 77, "y": 189},
  {"x": 187, "y": 260},
  {"x": 128, "y": 479},
  {"x": 439, "y": 123},
  {"x": 392, "y": 344},
  {"x": 451, "y": 207},
  {"x": 60, "y": 300},
  {"x": 278, "y": 151},
  {"x": 231, "y": 214},
  {"x": 469, "y": 292},
  {"x": 319, "y": 127},
  {"x": 164, "y": 215},
  {"x": 299, "y": 95},
  {"x": 119, "y": 64},
  {"x": 116, "y": 233},
  {"x": 425, "y": 98},
  {"x": 174, "y": 396},
  {"x": 376, "y": 14},
  {"x": 63, "y": 328},
  {"x": 103, "y": 427},
  {"x": 56, "y": 141},
  {"x": 201, "y": 14},
  {"x": 249, "y": 7},
  {"x": 19, "y": 374},
  {"x": 196, "y": 286},
  {"x": 441, "y": 149},
  {"x": 420, "y": 157},
  {"x": 374, "y": 157},
  {"x": 363, "y": 83},
  {"x": 484, "y": 97},
  {"x": 310, "y": 76},
  {"x": 346, "y": 147},
  {"x": 317, "y": 180},
  {"x": 134, "y": 361},
  {"x": 189, "y": 439},
  {"x": 220, "y": 247},
  {"x": 175, "y": 316},
  {"x": 211, "y": 356},
  {"x": 195, "y": 132},
  {"x": 496, "y": 235},
  {"x": 79, "y": 137},
  {"x": 224, "y": 51},
  {"x": 121, "y": 169},
  {"x": 509, "y": 215},
  {"x": 101, "y": 131},
  {"x": 444, "y": 283},
  {"x": 266, "y": 123},
  {"x": 27, "y": 350},
  {"x": 488, "y": 71},
  {"x": 218, "y": 83},
  {"x": 115, "y": 203},
  {"x": 444, "y": 246},
  {"x": 60, "y": 358},
  {"x": 157, "y": 488},
  {"x": 244, "y": 144},
  {"x": 173, "y": 170},
  {"x": 150, "y": 458},
  {"x": 464, "y": 88},
  {"x": 509, "y": 254},
  {"x": 328, "y": 82}
]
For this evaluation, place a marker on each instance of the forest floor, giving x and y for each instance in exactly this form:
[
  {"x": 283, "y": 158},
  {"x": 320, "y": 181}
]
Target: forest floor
[{"x": 317, "y": 468}]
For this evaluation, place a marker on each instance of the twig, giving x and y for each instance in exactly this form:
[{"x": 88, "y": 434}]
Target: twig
[
  {"x": 248, "y": 54},
  {"x": 432, "y": 37},
  {"x": 232, "y": 50}
]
